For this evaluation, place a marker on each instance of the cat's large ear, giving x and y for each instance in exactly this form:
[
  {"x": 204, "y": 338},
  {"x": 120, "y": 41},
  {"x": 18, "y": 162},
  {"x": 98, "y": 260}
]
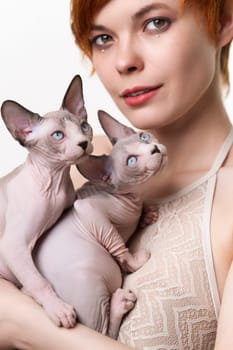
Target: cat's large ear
[
  {"x": 73, "y": 100},
  {"x": 113, "y": 129},
  {"x": 97, "y": 169},
  {"x": 19, "y": 120}
]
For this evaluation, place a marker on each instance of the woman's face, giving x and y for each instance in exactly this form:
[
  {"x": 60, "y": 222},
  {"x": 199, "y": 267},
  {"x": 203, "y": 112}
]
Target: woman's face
[{"x": 156, "y": 61}]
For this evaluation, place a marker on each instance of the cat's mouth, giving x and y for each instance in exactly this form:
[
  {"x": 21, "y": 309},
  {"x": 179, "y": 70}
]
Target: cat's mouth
[
  {"x": 156, "y": 165},
  {"x": 79, "y": 155}
]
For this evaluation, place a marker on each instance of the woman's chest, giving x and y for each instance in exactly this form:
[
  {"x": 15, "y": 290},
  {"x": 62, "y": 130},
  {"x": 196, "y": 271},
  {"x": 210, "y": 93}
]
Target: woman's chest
[{"x": 175, "y": 305}]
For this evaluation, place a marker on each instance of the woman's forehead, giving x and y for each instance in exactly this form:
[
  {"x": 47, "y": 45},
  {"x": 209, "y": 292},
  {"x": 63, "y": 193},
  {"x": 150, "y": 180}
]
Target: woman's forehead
[
  {"x": 143, "y": 5},
  {"x": 116, "y": 10}
]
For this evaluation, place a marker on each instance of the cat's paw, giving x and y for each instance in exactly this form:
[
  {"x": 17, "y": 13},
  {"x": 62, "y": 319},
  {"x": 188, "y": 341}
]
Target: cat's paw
[
  {"x": 150, "y": 215},
  {"x": 61, "y": 313},
  {"x": 133, "y": 262},
  {"x": 122, "y": 301}
]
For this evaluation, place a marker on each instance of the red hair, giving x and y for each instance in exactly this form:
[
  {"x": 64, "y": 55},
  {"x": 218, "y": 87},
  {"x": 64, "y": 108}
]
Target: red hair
[{"x": 83, "y": 12}]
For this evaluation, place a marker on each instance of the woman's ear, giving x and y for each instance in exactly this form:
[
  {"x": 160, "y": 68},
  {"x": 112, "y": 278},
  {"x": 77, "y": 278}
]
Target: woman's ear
[{"x": 225, "y": 32}]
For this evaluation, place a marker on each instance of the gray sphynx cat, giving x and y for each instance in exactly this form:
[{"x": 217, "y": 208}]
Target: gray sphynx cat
[
  {"x": 34, "y": 195},
  {"x": 76, "y": 255}
]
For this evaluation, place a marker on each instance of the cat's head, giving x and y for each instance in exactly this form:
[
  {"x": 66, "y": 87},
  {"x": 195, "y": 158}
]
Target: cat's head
[
  {"x": 63, "y": 136},
  {"x": 135, "y": 157}
]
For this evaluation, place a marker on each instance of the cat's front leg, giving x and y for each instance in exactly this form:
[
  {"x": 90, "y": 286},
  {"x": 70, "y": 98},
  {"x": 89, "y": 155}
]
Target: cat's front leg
[
  {"x": 131, "y": 262},
  {"x": 107, "y": 235},
  {"x": 122, "y": 302},
  {"x": 17, "y": 256}
]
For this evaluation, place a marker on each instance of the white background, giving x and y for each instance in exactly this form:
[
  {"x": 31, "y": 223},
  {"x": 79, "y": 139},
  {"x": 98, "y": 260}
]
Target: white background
[{"x": 38, "y": 59}]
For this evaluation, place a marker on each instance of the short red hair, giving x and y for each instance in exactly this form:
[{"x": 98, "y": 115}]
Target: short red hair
[{"x": 83, "y": 12}]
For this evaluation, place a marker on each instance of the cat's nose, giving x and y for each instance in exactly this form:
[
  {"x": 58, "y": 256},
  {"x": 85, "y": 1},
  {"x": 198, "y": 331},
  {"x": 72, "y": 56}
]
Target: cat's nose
[
  {"x": 83, "y": 145},
  {"x": 155, "y": 150}
]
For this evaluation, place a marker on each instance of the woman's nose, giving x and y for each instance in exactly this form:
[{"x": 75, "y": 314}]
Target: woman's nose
[{"x": 128, "y": 58}]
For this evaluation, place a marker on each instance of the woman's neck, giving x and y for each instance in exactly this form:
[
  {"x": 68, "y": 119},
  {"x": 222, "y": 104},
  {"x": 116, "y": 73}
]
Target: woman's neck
[{"x": 192, "y": 144}]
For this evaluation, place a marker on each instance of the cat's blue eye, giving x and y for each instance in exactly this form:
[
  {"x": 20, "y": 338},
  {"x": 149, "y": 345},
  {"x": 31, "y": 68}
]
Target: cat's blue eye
[
  {"x": 132, "y": 160},
  {"x": 85, "y": 127},
  {"x": 144, "y": 137},
  {"x": 58, "y": 135}
]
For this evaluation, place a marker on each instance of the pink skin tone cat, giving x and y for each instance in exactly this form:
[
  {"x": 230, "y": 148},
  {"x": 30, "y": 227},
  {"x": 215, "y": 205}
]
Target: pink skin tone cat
[
  {"x": 83, "y": 273},
  {"x": 34, "y": 195},
  {"x": 138, "y": 46}
]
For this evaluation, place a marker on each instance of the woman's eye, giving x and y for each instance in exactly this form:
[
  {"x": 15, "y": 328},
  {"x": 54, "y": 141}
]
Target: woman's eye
[
  {"x": 58, "y": 135},
  {"x": 132, "y": 160},
  {"x": 157, "y": 24},
  {"x": 144, "y": 137},
  {"x": 85, "y": 127},
  {"x": 101, "y": 40}
]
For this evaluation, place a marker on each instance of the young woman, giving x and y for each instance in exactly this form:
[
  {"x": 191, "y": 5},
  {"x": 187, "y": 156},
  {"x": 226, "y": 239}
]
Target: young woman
[{"x": 164, "y": 62}]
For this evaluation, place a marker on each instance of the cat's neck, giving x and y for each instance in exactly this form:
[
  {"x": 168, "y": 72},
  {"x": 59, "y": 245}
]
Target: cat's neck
[{"x": 49, "y": 176}]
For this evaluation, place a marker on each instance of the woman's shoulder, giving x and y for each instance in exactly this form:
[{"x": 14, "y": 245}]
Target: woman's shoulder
[
  {"x": 225, "y": 182},
  {"x": 226, "y": 171}
]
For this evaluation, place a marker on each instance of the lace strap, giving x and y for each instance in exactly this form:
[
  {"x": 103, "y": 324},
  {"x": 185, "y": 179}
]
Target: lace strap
[{"x": 222, "y": 153}]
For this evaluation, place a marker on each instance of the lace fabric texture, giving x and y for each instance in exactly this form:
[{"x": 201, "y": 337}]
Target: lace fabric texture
[{"x": 175, "y": 306}]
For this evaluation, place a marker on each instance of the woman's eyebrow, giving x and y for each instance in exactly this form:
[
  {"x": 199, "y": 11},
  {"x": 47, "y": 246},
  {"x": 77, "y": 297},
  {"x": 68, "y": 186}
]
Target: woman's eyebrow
[
  {"x": 98, "y": 27},
  {"x": 148, "y": 8}
]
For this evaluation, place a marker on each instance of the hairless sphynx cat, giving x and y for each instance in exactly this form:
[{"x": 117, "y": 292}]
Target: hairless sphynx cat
[
  {"x": 76, "y": 255},
  {"x": 35, "y": 194}
]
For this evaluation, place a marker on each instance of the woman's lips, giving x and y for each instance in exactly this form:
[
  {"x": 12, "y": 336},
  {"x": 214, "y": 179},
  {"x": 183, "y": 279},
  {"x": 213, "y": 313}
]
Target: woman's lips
[{"x": 139, "y": 95}]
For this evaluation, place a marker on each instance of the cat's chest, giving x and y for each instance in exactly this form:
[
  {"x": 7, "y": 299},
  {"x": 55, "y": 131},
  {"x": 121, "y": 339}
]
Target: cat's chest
[
  {"x": 55, "y": 202},
  {"x": 63, "y": 199},
  {"x": 125, "y": 215}
]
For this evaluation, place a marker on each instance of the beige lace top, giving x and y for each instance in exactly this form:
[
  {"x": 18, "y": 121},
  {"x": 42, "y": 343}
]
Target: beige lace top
[{"x": 177, "y": 297}]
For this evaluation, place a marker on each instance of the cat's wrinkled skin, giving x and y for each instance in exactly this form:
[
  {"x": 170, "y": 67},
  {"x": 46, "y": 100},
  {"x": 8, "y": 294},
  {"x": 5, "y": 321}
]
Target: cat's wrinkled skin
[{"x": 34, "y": 195}]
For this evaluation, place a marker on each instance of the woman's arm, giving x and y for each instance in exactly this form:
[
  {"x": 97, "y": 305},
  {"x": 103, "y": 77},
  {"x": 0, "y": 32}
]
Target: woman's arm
[
  {"x": 24, "y": 325},
  {"x": 101, "y": 146}
]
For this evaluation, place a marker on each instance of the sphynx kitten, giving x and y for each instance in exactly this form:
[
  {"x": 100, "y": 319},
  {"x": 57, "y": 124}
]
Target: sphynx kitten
[
  {"x": 76, "y": 255},
  {"x": 35, "y": 194}
]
